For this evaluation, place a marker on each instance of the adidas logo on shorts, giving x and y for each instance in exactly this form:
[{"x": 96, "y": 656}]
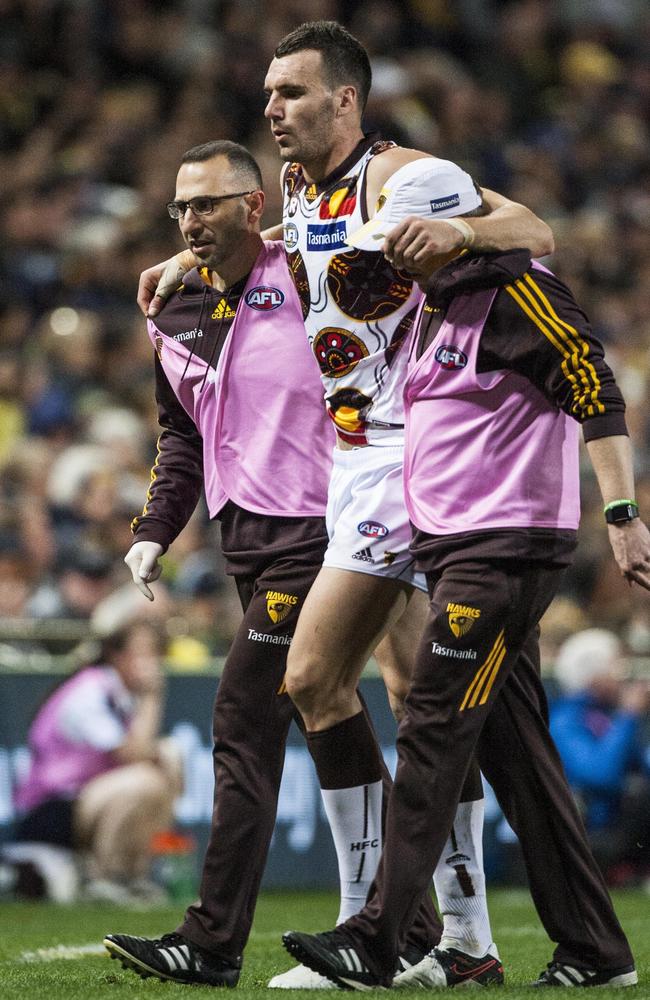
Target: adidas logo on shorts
[{"x": 364, "y": 555}]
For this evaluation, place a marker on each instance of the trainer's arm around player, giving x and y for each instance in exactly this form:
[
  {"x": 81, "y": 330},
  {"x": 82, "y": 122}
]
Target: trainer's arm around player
[{"x": 412, "y": 245}]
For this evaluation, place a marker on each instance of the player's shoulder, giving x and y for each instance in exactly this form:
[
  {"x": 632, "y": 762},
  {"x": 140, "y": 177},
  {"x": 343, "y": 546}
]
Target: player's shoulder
[{"x": 384, "y": 164}]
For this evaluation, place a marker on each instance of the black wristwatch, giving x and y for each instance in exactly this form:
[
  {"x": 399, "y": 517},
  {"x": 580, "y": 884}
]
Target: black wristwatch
[{"x": 620, "y": 511}]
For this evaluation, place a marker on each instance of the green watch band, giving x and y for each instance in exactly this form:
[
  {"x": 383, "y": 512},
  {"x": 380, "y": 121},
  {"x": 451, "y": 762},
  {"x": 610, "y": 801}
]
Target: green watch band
[{"x": 620, "y": 511}]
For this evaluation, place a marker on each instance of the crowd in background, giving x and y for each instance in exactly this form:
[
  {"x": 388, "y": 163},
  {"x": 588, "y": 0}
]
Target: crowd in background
[{"x": 546, "y": 101}]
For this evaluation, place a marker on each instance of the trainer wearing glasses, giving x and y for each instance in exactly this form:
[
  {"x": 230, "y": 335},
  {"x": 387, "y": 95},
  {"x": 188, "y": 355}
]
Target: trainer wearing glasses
[{"x": 242, "y": 417}]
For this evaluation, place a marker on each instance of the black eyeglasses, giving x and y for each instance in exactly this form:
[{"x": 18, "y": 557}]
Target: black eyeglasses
[{"x": 202, "y": 205}]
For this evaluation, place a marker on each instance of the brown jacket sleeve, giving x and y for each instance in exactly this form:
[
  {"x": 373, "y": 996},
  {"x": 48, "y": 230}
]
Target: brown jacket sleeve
[
  {"x": 536, "y": 328},
  {"x": 177, "y": 473}
]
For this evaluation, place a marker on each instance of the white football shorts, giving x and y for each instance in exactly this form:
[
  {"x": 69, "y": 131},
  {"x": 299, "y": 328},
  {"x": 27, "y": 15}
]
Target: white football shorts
[{"x": 367, "y": 523}]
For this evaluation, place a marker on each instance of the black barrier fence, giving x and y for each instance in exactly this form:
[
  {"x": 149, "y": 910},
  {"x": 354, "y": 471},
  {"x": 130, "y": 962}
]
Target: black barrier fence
[{"x": 301, "y": 854}]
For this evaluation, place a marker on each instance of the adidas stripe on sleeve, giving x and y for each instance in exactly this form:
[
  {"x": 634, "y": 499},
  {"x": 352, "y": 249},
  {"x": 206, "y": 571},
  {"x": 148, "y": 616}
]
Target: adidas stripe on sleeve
[{"x": 537, "y": 329}]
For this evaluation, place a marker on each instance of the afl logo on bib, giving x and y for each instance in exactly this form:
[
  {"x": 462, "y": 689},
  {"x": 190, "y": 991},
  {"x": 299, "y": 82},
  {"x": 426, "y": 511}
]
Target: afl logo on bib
[
  {"x": 373, "y": 529},
  {"x": 264, "y": 298},
  {"x": 450, "y": 357}
]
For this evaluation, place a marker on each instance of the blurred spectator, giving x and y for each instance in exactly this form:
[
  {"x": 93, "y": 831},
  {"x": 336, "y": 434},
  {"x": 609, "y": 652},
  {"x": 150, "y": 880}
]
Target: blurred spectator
[
  {"x": 599, "y": 723},
  {"x": 100, "y": 782},
  {"x": 14, "y": 577},
  {"x": 83, "y": 579},
  {"x": 563, "y": 618}
]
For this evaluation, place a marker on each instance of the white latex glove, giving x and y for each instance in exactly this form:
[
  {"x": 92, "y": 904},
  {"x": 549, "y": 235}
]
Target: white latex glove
[{"x": 142, "y": 560}]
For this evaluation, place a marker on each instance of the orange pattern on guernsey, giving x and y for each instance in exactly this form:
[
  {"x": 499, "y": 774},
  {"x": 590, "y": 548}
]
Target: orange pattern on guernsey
[
  {"x": 485, "y": 675},
  {"x": 577, "y": 366}
]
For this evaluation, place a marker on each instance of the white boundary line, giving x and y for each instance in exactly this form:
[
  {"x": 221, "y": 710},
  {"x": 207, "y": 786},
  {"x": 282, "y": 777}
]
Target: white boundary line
[
  {"x": 60, "y": 951},
  {"x": 74, "y": 951}
]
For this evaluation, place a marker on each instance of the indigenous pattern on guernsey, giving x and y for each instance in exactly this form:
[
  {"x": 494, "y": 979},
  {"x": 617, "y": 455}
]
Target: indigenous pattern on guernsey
[{"x": 358, "y": 310}]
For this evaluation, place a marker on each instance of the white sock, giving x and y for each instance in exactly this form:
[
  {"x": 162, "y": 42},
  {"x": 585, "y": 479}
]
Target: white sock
[
  {"x": 354, "y": 816},
  {"x": 459, "y": 881}
]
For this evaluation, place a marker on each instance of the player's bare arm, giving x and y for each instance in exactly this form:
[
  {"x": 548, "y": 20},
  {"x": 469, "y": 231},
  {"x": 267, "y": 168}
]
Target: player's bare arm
[
  {"x": 611, "y": 458},
  {"x": 509, "y": 225}
]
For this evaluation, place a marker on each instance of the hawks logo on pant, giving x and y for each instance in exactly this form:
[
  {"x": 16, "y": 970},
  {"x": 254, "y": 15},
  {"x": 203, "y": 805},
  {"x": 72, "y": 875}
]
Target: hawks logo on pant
[
  {"x": 279, "y": 605},
  {"x": 461, "y": 618}
]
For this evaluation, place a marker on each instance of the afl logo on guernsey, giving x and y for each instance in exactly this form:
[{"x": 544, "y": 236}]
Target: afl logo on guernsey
[
  {"x": 450, "y": 357},
  {"x": 264, "y": 298},
  {"x": 373, "y": 529},
  {"x": 290, "y": 236}
]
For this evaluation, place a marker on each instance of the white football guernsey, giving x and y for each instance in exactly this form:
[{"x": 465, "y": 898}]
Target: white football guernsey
[{"x": 358, "y": 310}]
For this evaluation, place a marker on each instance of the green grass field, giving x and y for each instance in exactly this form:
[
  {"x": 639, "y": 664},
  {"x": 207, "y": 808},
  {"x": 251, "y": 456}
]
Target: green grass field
[{"x": 50, "y": 953}]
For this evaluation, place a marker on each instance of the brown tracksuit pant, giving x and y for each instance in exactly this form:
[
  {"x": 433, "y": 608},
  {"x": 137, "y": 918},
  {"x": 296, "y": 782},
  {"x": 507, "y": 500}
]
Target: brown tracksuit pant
[{"x": 477, "y": 688}]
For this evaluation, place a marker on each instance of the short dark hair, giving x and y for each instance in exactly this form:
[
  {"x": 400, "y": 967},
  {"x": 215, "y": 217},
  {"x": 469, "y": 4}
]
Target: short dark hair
[
  {"x": 344, "y": 57},
  {"x": 242, "y": 162}
]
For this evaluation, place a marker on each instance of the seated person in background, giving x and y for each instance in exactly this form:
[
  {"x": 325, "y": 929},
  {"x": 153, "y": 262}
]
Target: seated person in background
[
  {"x": 100, "y": 782},
  {"x": 598, "y": 724}
]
